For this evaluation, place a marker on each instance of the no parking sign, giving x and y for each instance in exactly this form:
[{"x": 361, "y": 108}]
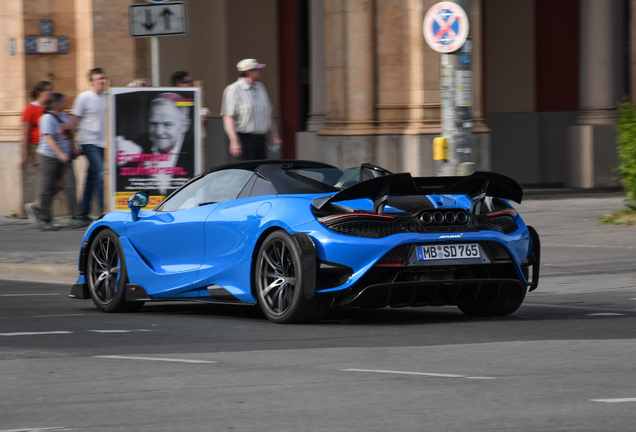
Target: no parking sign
[{"x": 445, "y": 27}]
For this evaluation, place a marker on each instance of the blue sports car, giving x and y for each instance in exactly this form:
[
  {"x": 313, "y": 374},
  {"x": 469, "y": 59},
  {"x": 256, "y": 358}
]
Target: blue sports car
[{"x": 299, "y": 238}]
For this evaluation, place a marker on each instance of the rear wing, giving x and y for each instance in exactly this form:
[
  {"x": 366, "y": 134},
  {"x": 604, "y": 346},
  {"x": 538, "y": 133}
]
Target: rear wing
[{"x": 476, "y": 186}]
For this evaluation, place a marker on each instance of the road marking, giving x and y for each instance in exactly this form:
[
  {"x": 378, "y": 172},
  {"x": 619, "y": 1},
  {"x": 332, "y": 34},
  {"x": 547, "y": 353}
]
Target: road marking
[
  {"x": 590, "y": 246},
  {"x": 35, "y": 334},
  {"x": 617, "y": 400},
  {"x": 49, "y": 316},
  {"x": 436, "y": 375},
  {"x": 28, "y": 295},
  {"x": 606, "y": 314},
  {"x": 109, "y": 331},
  {"x": 118, "y": 331},
  {"x": 155, "y": 359},
  {"x": 39, "y": 429}
]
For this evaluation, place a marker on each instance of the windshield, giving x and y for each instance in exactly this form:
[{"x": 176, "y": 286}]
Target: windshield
[{"x": 212, "y": 188}]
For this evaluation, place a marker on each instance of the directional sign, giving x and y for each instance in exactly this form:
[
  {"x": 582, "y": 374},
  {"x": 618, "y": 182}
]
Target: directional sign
[
  {"x": 158, "y": 19},
  {"x": 445, "y": 27}
]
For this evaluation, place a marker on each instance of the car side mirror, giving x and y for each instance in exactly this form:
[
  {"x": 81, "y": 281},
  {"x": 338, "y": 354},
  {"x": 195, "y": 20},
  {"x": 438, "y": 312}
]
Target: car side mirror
[{"x": 136, "y": 202}]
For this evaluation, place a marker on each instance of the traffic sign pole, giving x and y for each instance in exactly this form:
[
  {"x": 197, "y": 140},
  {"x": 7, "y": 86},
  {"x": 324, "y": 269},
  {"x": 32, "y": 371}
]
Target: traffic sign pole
[
  {"x": 155, "y": 61},
  {"x": 449, "y": 114},
  {"x": 446, "y": 31},
  {"x": 464, "y": 110}
]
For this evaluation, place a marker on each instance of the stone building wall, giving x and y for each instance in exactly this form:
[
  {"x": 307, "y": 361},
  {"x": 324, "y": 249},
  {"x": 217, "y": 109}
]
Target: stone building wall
[
  {"x": 382, "y": 95},
  {"x": 98, "y": 37}
]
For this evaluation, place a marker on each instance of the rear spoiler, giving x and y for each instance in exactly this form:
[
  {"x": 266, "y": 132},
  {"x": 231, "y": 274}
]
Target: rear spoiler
[{"x": 476, "y": 186}]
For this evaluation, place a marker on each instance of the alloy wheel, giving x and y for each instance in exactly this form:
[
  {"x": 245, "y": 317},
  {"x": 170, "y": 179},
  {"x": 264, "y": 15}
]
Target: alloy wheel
[
  {"x": 277, "y": 282},
  {"x": 104, "y": 269}
]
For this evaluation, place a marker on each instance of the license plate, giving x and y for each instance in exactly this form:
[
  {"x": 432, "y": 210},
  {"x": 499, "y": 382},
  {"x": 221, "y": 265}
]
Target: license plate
[{"x": 446, "y": 251}]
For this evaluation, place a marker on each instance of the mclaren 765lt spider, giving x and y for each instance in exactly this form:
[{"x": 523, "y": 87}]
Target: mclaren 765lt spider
[{"x": 298, "y": 238}]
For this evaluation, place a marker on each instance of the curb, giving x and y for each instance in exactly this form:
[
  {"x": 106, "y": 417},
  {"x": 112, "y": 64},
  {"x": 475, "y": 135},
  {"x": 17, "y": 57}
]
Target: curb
[{"x": 38, "y": 273}]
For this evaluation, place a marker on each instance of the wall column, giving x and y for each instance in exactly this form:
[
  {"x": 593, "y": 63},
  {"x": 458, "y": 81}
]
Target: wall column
[
  {"x": 360, "y": 64},
  {"x": 416, "y": 70},
  {"x": 592, "y": 147},
  {"x": 318, "y": 79},
  {"x": 84, "y": 40},
  {"x": 477, "y": 61},
  {"x": 601, "y": 67}
]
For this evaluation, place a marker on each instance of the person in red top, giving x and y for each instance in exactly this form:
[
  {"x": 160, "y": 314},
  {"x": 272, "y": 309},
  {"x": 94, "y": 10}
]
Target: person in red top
[
  {"x": 31, "y": 139},
  {"x": 30, "y": 118}
]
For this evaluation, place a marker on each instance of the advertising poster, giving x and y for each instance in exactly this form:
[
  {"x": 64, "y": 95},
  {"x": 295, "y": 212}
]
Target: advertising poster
[{"x": 155, "y": 141}]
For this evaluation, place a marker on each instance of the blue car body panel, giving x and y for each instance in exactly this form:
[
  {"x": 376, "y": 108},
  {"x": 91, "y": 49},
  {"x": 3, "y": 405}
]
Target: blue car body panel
[{"x": 181, "y": 254}]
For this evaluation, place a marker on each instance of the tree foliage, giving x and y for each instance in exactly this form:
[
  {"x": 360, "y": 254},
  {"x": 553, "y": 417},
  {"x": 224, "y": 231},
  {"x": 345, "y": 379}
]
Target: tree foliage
[{"x": 626, "y": 141}]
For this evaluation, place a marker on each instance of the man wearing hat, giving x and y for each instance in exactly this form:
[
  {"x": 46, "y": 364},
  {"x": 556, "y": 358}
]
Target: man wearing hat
[{"x": 247, "y": 113}]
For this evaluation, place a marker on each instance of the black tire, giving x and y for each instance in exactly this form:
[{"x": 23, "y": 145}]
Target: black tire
[
  {"x": 278, "y": 283},
  {"x": 493, "y": 307},
  {"x": 106, "y": 275}
]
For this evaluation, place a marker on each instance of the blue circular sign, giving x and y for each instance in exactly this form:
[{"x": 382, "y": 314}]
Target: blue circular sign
[{"x": 445, "y": 27}]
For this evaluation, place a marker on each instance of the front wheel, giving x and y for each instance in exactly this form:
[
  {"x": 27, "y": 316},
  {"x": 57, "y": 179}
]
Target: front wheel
[
  {"x": 279, "y": 277},
  {"x": 106, "y": 274}
]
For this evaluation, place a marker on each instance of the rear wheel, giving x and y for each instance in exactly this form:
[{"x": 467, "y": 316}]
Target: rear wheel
[
  {"x": 279, "y": 277},
  {"x": 106, "y": 274}
]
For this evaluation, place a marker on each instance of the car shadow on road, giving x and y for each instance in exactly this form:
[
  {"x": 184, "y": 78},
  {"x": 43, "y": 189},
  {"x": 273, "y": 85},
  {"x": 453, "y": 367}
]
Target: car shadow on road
[
  {"x": 340, "y": 316},
  {"x": 404, "y": 316},
  {"x": 203, "y": 309}
]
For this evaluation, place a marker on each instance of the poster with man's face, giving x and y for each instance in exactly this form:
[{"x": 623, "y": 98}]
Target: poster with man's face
[{"x": 155, "y": 141}]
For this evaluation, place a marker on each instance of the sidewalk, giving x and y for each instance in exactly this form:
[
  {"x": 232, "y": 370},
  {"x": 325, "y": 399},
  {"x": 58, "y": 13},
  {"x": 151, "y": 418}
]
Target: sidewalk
[
  {"x": 26, "y": 253},
  {"x": 562, "y": 219}
]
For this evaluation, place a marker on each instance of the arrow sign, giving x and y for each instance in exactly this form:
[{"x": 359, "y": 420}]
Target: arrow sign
[
  {"x": 166, "y": 13},
  {"x": 158, "y": 19},
  {"x": 148, "y": 24}
]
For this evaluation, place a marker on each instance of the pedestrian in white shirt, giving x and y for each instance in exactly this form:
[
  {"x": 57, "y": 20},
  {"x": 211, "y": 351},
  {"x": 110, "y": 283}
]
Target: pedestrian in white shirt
[
  {"x": 89, "y": 116},
  {"x": 247, "y": 113}
]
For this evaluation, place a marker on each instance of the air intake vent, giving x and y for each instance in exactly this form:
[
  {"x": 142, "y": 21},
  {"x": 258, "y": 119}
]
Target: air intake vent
[
  {"x": 398, "y": 254},
  {"x": 380, "y": 229},
  {"x": 495, "y": 250}
]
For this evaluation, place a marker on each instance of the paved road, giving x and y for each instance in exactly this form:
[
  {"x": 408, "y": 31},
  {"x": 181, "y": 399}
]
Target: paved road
[
  {"x": 197, "y": 367},
  {"x": 563, "y": 362}
]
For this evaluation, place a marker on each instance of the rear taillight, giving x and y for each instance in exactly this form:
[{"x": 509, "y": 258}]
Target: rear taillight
[
  {"x": 331, "y": 219},
  {"x": 506, "y": 212}
]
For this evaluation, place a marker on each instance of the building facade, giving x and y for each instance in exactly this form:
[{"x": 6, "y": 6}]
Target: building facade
[{"x": 354, "y": 81}]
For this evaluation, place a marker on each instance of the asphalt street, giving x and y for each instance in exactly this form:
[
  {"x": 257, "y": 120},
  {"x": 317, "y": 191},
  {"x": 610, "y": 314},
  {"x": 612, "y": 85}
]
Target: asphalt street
[{"x": 562, "y": 362}]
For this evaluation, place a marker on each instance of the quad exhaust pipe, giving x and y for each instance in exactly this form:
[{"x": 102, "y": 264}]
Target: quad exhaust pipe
[{"x": 449, "y": 217}]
